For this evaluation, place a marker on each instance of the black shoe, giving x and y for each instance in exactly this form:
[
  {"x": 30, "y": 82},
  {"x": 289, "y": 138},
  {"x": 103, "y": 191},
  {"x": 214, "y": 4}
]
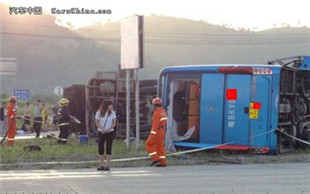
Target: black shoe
[
  {"x": 107, "y": 168},
  {"x": 59, "y": 141},
  {"x": 155, "y": 162},
  {"x": 101, "y": 168},
  {"x": 160, "y": 165}
]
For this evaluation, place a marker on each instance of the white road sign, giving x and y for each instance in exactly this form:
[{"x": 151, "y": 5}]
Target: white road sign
[
  {"x": 132, "y": 43},
  {"x": 58, "y": 90}
]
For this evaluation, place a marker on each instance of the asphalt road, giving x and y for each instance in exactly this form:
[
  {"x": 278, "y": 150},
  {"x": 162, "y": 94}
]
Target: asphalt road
[{"x": 291, "y": 178}]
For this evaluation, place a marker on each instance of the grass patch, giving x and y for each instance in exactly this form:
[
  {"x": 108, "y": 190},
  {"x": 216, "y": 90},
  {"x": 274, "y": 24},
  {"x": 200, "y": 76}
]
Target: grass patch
[
  {"x": 52, "y": 152},
  {"x": 72, "y": 152}
]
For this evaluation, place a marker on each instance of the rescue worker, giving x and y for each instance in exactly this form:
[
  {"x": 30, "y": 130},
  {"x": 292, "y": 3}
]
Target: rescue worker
[
  {"x": 155, "y": 145},
  {"x": 63, "y": 121},
  {"x": 11, "y": 120}
]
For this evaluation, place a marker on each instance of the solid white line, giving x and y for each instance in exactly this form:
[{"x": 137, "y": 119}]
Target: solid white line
[{"x": 54, "y": 174}]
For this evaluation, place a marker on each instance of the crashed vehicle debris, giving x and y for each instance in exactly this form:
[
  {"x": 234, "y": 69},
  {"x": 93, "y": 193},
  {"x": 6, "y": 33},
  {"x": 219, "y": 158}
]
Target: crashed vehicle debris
[{"x": 111, "y": 86}]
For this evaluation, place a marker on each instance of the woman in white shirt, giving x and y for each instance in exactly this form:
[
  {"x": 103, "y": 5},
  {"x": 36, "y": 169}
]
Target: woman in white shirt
[{"x": 105, "y": 122}]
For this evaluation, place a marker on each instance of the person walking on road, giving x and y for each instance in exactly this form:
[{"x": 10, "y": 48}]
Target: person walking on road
[
  {"x": 155, "y": 145},
  {"x": 37, "y": 118},
  {"x": 105, "y": 122}
]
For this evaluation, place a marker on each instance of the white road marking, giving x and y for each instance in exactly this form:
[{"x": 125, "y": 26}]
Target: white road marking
[{"x": 55, "y": 174}]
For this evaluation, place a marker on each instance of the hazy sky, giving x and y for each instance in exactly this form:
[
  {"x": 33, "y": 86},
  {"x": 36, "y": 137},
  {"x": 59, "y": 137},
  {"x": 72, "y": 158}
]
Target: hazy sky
[{"x": 253, "y": 14}]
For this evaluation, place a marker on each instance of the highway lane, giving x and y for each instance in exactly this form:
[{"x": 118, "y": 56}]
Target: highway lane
[{"x": 291, "y": 178}]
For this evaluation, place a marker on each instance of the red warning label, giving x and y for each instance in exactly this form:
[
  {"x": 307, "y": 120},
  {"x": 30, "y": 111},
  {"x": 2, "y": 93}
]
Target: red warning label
[
  {"x": 231, "y": 94},
  {"x": 256, "y": 105}
]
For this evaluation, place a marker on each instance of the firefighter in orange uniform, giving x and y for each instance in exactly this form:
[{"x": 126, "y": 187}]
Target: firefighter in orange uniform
[
  {"x": 11, "y": 122},
  {"x": 155, "y": 145}
]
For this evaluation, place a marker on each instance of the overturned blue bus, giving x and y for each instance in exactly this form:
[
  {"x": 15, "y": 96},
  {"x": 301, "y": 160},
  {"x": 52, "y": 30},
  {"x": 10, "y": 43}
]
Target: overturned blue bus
[{"x": 238, "y": 107}]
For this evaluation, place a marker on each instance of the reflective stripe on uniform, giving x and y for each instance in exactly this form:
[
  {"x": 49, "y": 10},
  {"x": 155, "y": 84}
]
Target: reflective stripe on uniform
[
  {"x": 10, "y": 139},
  {"x": 164, "y": 118},
  {"x": 11, "y": 117},
  {"x": 153, "y": 153},
  {"x": 162, "y": 157},
  {"x": 153, "y": 132},
  {"x": 63, "y": 124}
]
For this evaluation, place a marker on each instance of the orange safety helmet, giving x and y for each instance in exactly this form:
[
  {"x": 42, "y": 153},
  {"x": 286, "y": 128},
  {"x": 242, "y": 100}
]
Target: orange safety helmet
[
  {"x": 12, "y": 99},
  {"x": 157, "y": 101}
]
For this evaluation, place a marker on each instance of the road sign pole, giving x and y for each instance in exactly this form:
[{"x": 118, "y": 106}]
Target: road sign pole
[
  {"x": 132, "y": 58},
  {"x": 137, "y": 110},
  {"x": 127, "y": 106}
]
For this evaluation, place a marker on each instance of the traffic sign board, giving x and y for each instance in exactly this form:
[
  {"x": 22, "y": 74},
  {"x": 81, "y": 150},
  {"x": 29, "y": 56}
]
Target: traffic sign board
[
  {"x": 132, "y": 42},
  {"x": 22, "y": 94}
]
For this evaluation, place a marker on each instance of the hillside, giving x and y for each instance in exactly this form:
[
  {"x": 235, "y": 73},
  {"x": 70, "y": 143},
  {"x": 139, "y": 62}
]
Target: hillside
[
  {"x": 174, "y": 41},
  {"x": 50, "y": 55},
  {"x": 47, "y": 54}
]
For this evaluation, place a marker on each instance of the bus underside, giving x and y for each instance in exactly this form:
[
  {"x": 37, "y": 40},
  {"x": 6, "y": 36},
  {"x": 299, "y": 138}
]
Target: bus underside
[{"x": 294, "y": 104}]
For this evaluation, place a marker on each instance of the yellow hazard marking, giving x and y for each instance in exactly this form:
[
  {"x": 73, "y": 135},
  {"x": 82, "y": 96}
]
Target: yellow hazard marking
[{"x": 253, "y": 112}]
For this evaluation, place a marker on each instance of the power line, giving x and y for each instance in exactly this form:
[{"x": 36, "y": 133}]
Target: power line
[
  {"x": 53, "y": 27},
  {"x": 232, "y": 34},
  {"x": 57, "y": 37},
  {"x": 167, "y": 41}
]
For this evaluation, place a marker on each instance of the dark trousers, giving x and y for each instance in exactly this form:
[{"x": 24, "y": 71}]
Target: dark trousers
[
  {"x": 27, "y": 120},
  {"x": 37, "y": 125},
  {"x": 64, "y": 134},
  {"x": 105, "y": 138}
]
